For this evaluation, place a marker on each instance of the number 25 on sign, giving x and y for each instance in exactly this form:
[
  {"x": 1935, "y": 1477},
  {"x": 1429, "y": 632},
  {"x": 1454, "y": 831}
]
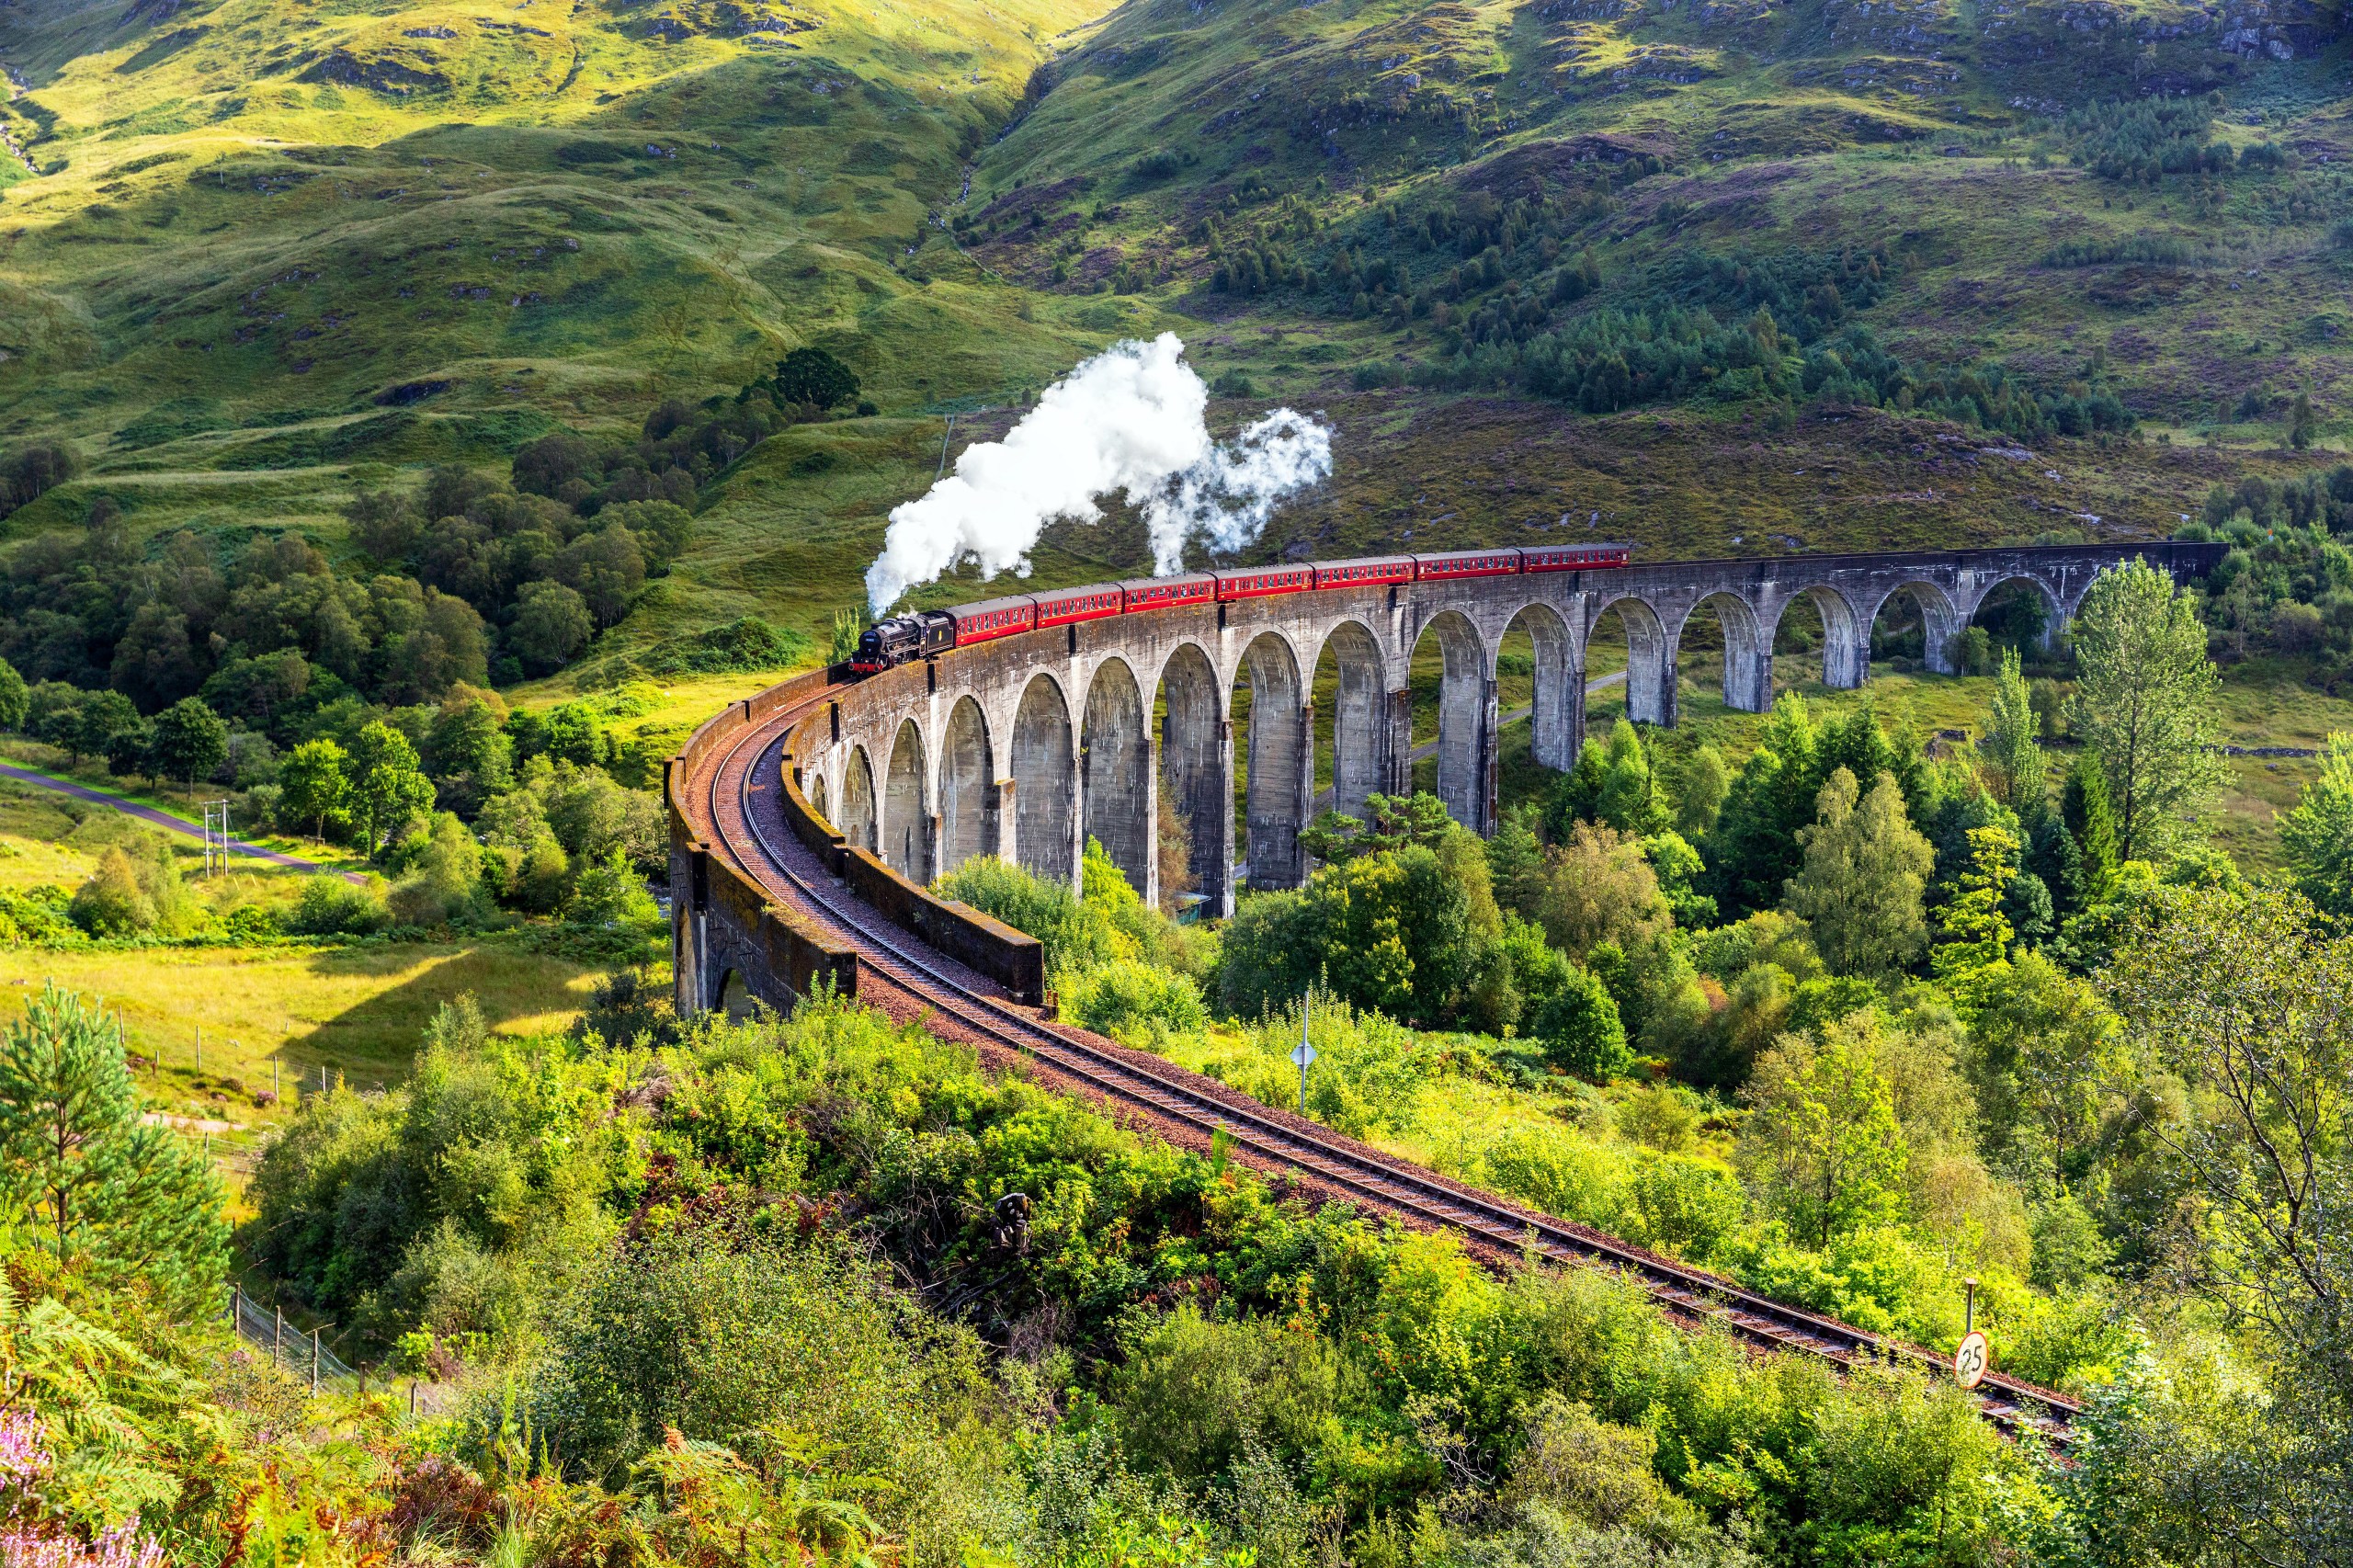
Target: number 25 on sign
[{"x": 1972, "y": 1359}]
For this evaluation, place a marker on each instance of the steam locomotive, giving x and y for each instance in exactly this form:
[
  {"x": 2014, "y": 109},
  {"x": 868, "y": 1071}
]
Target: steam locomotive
[{"x": 893, "y": 642}]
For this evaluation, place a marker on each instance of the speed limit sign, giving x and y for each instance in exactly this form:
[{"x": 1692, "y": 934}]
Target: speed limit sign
[{"x": 1970, "y": 1362}]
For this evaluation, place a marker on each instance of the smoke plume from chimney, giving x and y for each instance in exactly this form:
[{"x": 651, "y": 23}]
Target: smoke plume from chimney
[{"x": 1131, "y": 419}]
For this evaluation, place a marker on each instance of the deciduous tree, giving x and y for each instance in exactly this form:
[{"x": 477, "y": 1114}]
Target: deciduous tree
[
  {"x": 388, "y": 788},
  {"x": 1822, "y": 1136},
  {"x": 190, "y": 741},
  {"x": 2144, "y": 704},
  {"x": 313, "y": 784},
  {"x": 1866, "y": 870},
  {"x": 2317, "y": 837}
]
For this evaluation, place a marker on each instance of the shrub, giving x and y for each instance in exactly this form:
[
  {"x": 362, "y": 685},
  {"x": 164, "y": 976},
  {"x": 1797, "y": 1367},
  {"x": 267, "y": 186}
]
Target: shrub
[
  {"x": 1581, "y": 1030},
  {"x": 1683, "y": 1205},
  {"x": 113, "y": 904},
  {"x": 329, "y": 906},
  {"x": 1127, "y": 994},
  {"x": 1076, "y": 936},
  {"x": 447, "y": 886}
]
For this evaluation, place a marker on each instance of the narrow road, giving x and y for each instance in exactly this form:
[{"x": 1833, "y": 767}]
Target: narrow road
[{"x": 164, "y": 820}]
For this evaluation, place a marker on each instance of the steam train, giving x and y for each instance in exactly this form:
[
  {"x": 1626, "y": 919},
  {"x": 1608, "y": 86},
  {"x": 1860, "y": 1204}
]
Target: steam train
[{"x": 893, "y": 642}]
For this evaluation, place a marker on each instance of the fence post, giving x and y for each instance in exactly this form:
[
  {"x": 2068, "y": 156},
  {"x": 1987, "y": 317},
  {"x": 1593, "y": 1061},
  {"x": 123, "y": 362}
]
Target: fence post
[
  {"x": 276, "y": 1332},
  {"x": 315, "y": 1360}
]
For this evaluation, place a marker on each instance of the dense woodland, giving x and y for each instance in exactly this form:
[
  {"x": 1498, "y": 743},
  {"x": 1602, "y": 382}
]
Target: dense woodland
[{"x": 1845, "y": 1023}]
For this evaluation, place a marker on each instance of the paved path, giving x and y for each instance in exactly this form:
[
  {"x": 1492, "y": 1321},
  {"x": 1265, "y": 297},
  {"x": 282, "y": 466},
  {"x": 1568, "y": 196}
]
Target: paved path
[{"x": 164, "y": 819}]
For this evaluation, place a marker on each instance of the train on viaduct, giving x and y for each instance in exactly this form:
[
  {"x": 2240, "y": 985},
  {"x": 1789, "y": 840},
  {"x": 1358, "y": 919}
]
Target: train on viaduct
[{"x": 1024, "y": 745}]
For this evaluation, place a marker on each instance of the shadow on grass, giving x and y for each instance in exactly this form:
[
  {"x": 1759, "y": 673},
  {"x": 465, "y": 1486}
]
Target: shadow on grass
[{"x": 375, "y": 1042}]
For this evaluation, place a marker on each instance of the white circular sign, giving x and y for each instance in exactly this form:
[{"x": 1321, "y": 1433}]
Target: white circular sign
[{"x": 1971, "y": 1362}]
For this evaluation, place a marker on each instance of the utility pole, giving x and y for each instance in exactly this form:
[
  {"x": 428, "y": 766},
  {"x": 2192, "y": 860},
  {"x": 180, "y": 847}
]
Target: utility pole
[{"x": 216, "y": 836}]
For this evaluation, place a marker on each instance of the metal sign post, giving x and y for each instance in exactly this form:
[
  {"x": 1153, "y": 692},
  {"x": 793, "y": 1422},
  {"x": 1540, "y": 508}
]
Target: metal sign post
[
  {"x": 1305, "y": 1054},
  {"x": 1974, "y": 1357}
]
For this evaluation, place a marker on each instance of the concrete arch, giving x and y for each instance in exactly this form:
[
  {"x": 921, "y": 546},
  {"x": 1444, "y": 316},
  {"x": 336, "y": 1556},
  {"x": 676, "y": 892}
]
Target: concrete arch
[
  {"x": 1114, "y": 772},
  {"x": 1196, "y": 761},
  {"x": 1558, "y": 700},
  {"x": 1650, "y": 658},
  {"x": 1465, "y": 717},
  {"x": 2055, "y": 614},
  {"x": 1282, "y": 760},
  {"x": 816, "y": 793},
  {"x": 1748, "y": 651},
  {"x": 1360, "y": 722},
  {"x": 731, "y": 993},
  {"x": 1940, "y": 621},
  {"x": 857, "y": 822},
  {"x": 1846, "y": 636},
  {"x": 1044, "y": 782},
  {"x": 968, "y": 809},
  {"x": 906, "y": 813}
]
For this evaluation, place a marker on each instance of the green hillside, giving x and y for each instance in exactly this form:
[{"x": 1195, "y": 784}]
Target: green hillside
[{"x": 1720, "y": 277}]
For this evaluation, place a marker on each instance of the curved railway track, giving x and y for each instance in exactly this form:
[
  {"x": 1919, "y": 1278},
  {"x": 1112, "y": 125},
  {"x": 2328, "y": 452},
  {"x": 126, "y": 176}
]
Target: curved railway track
[{"x": 740, "y": 795}]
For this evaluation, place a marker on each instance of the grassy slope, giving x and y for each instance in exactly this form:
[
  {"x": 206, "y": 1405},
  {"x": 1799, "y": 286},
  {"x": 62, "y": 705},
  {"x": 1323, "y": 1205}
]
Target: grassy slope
[{"x": 356, "y": 1011}]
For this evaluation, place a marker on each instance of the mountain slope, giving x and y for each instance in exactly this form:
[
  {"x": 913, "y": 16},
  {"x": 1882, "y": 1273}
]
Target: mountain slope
[{"x": 1690, "y": 273}]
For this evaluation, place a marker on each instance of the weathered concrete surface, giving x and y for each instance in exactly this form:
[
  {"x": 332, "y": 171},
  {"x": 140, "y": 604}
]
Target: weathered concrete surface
[{"x": 1045, "y": 739}]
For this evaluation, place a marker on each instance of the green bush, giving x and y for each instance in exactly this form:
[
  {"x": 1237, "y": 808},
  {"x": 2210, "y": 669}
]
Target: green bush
[
  {"x": 329, "y": 906},
  {"x": 1075, "y": 935},
  {"x": 1127, "y": 994}
]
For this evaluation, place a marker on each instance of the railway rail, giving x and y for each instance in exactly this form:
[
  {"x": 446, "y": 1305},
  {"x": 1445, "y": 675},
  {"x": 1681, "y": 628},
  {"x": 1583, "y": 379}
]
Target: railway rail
[{"x": 740, "y": 795}]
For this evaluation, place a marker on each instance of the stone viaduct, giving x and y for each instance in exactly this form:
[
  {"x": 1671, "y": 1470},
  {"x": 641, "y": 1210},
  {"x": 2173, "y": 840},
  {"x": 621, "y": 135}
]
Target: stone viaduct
[{"x": 1024, "y": 748}]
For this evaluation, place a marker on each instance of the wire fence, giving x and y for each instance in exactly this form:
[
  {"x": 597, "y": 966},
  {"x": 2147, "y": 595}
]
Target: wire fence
[{"x": 303, "y": 1353}]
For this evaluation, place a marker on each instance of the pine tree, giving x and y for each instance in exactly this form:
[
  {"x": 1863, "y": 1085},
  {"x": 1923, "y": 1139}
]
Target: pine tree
[
  {"x": 129, "y": 1199},
  {"x": 1631, "y": 799},
  {"x": 2090, "y": 822},
  {"x": 1576, "y": 795}
]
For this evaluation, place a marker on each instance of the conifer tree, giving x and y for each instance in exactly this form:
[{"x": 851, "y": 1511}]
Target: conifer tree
[
  {"x": 2013, "y": 752},
  {"x": 128, "y": 1201}
]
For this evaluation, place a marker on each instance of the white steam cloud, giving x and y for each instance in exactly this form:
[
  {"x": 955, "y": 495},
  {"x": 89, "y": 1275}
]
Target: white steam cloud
[{"x": 1130, "y": 419}]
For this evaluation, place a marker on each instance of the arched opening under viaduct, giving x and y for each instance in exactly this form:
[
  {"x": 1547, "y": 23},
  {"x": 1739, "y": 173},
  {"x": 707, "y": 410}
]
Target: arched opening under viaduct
[
  {"x": 1628, "y": 636},
  {"x": 1448, "y": 683},
  {"x": 857, "y": 823},
  {"x": 1115, "y": 769},
  {"x": 968, "y": 809},
  {"x": 1271, "y": 741},
  {"x": 906, "y": 821},
  {"x": 1196, "y": 812},
  {"x": 1538, "y": 683},
  {"x": 2017, "y": 612},
  {"x": 1916, "y": 627},
  {"x": 1351, "y": 720},
  {"x": 814, "y": 788},
  {"x": 734, "y": 997},
  {"x": 1820, "y": 636},
  {"x": 1044, "y": 782}
]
